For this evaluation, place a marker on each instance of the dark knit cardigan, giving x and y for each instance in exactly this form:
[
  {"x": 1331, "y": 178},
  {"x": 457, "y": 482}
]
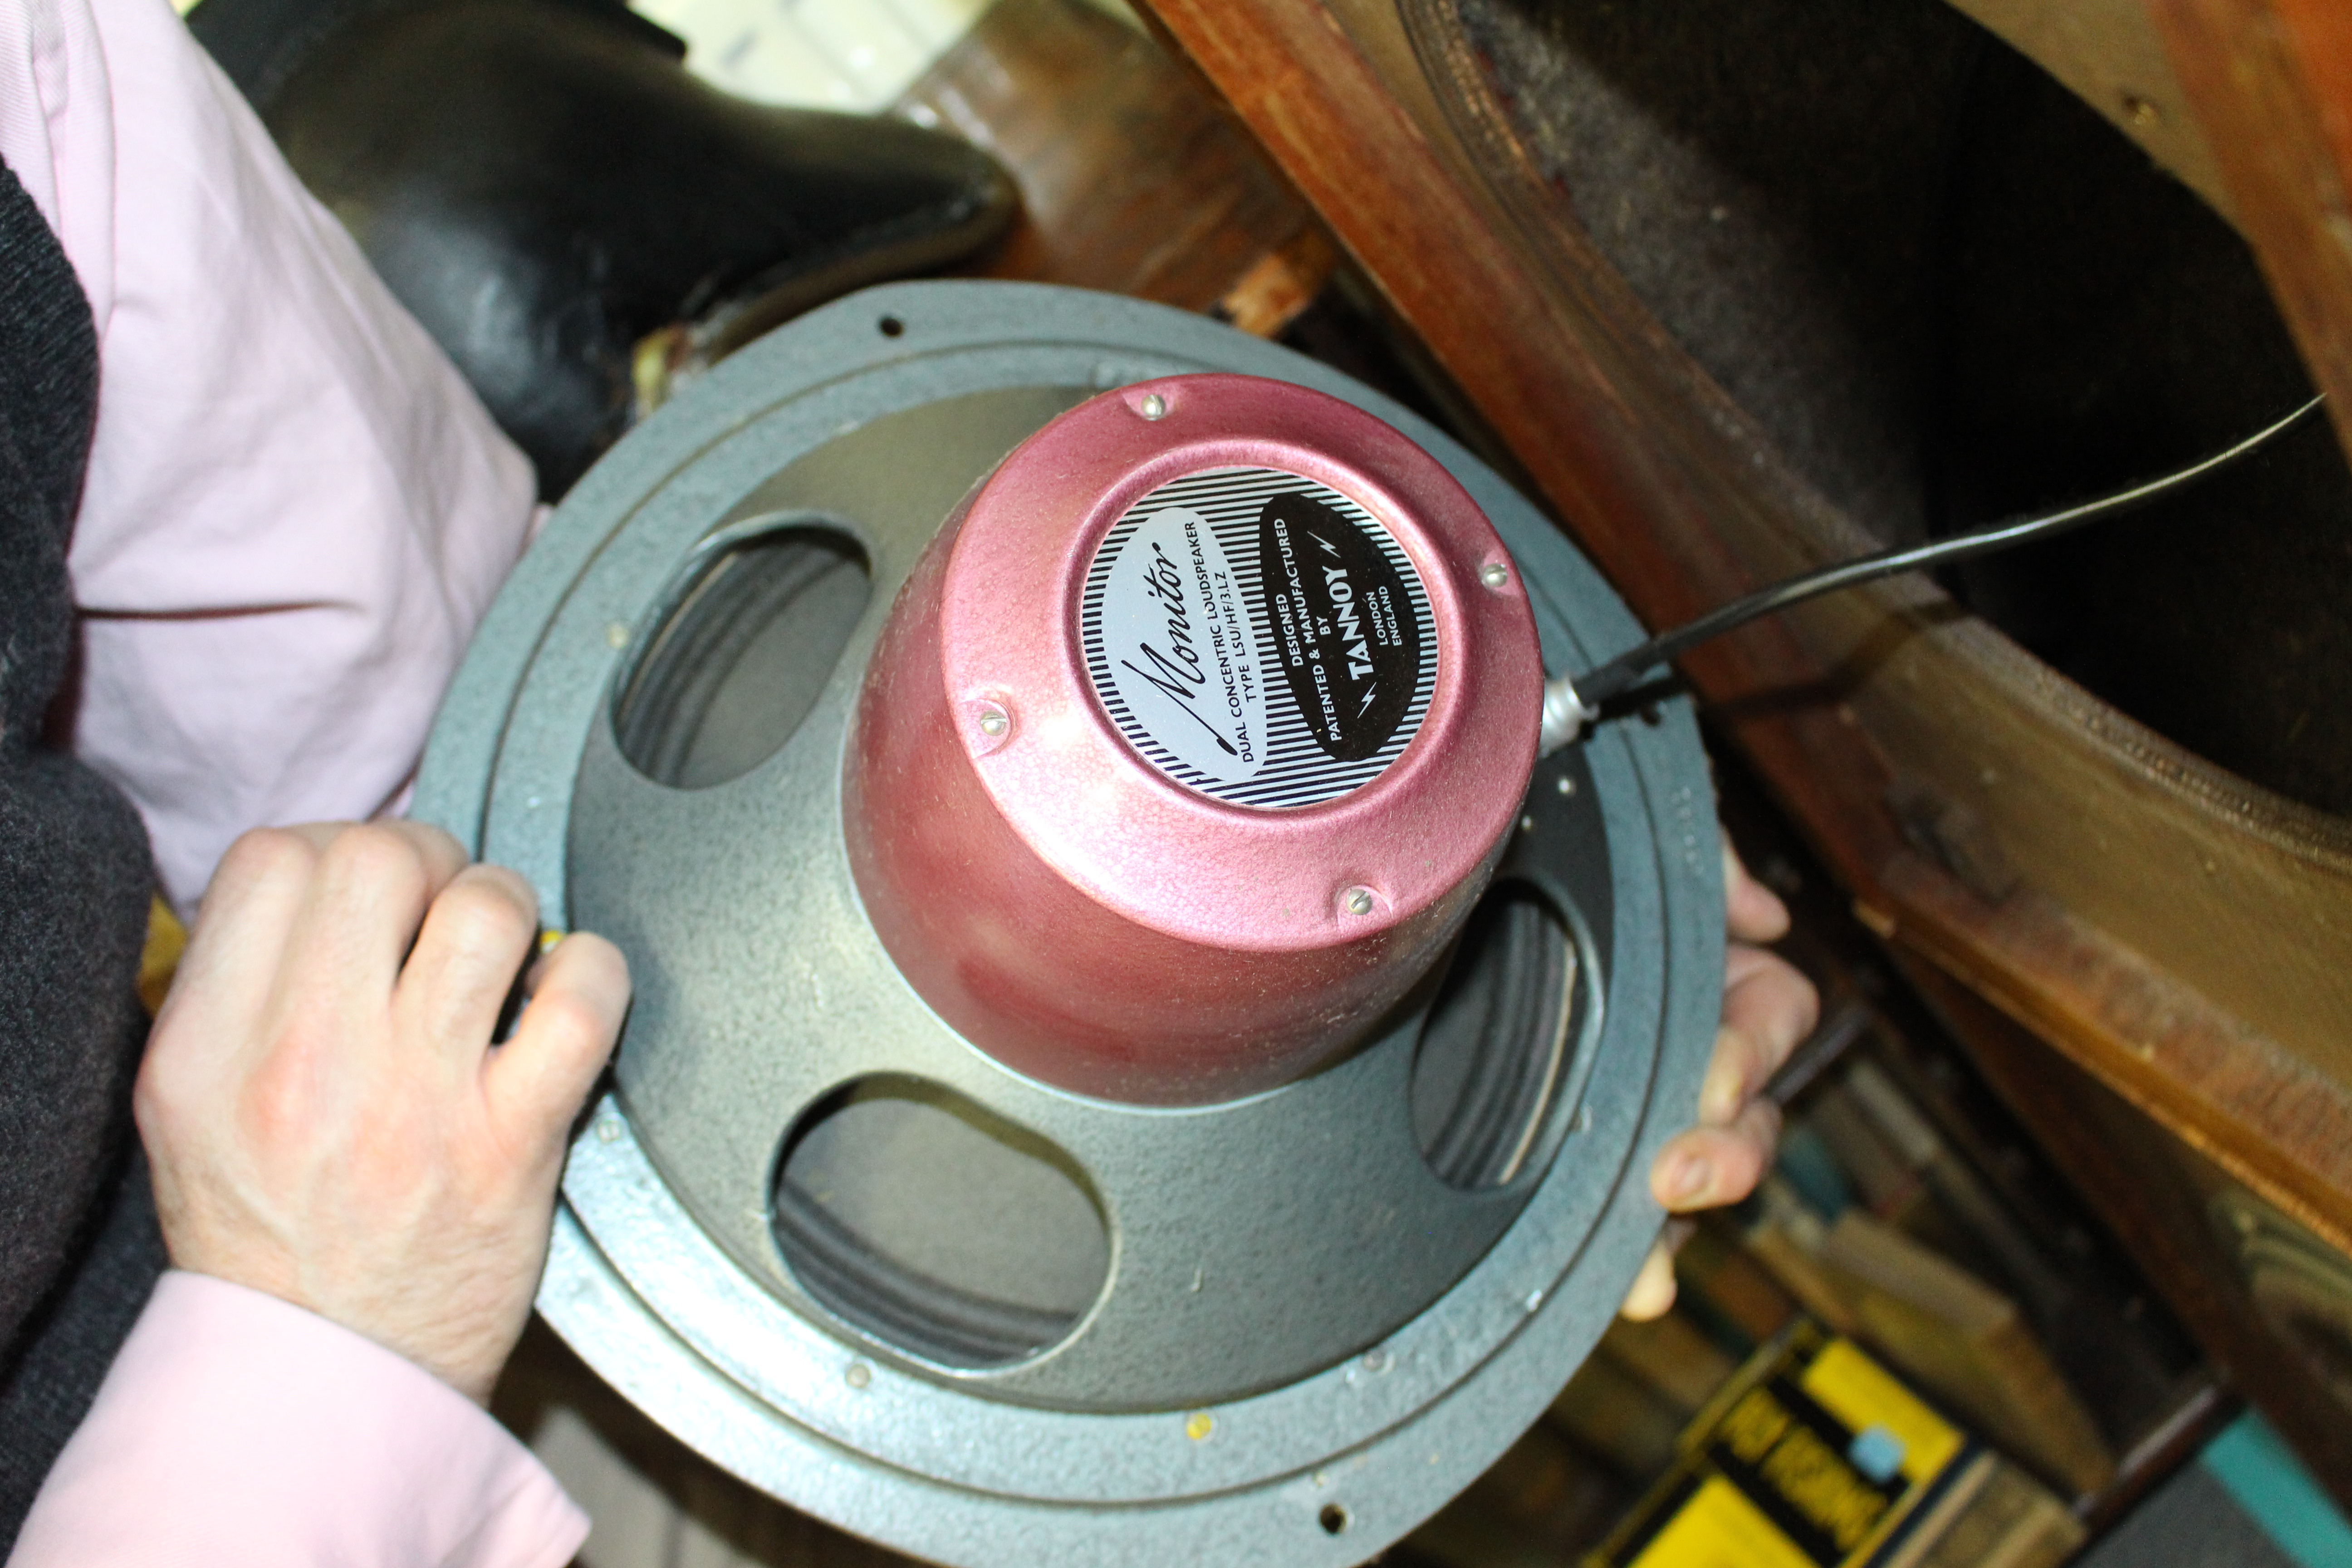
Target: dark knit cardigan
[{"x": 78, "y": 1252}]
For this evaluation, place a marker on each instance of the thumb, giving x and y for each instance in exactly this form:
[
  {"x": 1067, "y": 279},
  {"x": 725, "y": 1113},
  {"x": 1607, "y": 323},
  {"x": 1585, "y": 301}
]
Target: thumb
[{"x": 1752, "y": 912}]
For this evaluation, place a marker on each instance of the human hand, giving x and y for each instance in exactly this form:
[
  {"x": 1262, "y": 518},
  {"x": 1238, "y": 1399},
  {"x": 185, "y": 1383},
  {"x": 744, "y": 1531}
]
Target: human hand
[
  {"x": 327, "y": 1118},
  {"x": 1767, "y": 1007}
]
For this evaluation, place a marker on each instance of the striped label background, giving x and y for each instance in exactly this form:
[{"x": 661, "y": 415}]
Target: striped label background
[{"x": 1297, "y": 771}]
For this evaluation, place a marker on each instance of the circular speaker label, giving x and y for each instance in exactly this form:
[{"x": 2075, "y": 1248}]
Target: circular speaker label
[{"x": 1258, "y": 638}]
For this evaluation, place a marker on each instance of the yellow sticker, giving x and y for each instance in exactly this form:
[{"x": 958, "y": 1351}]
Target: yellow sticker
[
  {"x": 1862, "y": 1394},
  {"x": 1718, "y": 1527}
]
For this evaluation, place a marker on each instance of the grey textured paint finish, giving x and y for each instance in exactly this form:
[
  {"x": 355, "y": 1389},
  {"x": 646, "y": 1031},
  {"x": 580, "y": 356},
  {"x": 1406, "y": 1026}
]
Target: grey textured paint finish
[
  {"x": 763, "y": 988},
  {"x": 1347, "y": 1232}
]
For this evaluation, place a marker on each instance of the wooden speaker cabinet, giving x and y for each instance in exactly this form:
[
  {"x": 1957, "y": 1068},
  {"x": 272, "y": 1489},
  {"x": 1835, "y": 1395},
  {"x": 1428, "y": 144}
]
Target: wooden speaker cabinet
[{"x": 1745, "y": 286}]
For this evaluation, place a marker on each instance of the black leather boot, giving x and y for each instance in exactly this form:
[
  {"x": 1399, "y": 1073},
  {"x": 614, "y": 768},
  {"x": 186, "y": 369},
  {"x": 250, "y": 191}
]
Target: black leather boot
[{"x": 542, "y": 183}]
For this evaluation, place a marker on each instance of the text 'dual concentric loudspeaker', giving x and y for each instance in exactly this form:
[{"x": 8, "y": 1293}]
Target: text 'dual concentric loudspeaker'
[{"x": 1134, "y": 1059}]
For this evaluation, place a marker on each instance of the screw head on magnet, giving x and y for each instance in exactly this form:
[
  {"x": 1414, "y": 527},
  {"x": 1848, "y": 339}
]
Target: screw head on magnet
[
  {"x": 1359, "y": 901},
  {"x": 989, "y": 723},
  {"x": 1495, "y": 575},
  {"x": 1152, "y": 406}
]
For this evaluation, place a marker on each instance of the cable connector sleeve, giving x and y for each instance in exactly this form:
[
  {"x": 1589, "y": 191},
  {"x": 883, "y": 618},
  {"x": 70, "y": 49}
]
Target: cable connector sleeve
[{"x": 1565, "y": 716}]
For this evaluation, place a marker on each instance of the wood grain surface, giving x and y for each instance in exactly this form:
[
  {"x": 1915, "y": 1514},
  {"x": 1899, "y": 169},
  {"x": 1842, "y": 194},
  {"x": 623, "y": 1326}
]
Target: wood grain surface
[
  {"x": 2244, "y": 899},
  {"x": 2272, "y": 82},
  {"x": 2158, "y": 1197},
  {"x": 2179, "y": 936},
  {"x": 1133, "y": 177}
]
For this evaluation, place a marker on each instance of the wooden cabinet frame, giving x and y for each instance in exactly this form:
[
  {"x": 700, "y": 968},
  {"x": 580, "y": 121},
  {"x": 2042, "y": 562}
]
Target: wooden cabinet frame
[{"x": 2184, "y": 937}]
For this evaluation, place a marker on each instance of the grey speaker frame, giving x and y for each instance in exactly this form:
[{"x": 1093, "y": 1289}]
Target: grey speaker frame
[{"x": 1351, "y": 1445}]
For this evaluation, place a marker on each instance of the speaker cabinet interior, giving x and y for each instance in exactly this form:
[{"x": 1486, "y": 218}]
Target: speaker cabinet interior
[{"x": 1745, "y": 288}]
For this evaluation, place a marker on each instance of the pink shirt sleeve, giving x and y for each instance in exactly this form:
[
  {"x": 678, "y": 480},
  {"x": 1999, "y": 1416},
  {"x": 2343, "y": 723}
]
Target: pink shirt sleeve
[
  {"x": 296, "y": 510},
  {"x": 236, "y": 1428}
]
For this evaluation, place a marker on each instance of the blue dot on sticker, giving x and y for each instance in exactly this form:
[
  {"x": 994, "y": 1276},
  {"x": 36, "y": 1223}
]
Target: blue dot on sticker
[{"x": 1876, "y": 1453}]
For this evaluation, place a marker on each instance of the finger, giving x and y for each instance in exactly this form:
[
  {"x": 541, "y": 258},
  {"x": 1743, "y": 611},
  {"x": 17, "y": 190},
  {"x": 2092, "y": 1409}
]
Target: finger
[
  {"x": 549, "y": 939},
  {"x": 1653, "y": 1287},
  {"x": 1751, "y": 911},
  {"x": 536, "y": 1082},
  {"x": 367, "y": 898},
  {"x": 1706, "y": 1167},
  {"x": 473, "y": 943},
  {"x": 446, "y": 853},
  {"x": 242, "y": 923},
  {"x": 317, "y": 834},
  {"x": 1767, "y": 1007},
  {"x": 211, "y": 1017}
]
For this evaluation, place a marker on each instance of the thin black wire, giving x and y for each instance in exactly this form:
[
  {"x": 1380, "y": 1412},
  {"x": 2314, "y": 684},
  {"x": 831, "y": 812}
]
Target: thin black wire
[{"x": 1619, "y": 674}]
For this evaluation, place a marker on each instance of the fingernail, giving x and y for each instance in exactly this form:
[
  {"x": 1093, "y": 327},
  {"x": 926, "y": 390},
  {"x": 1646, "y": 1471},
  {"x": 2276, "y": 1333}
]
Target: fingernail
[
  {"x": 1719, "y": 1093},
  {"x": 1653, "y": 1289},
  {"x": 1690, "y": 1178}
]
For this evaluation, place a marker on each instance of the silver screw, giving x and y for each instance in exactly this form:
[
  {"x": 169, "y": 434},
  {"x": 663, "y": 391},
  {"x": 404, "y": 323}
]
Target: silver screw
[
  {"x": 858, "y": 1375},
  {"x": 994, "y": 721},
  {"x": 1153, "y": 407},
  {"x": 1357, "y": 900},
  {"x": 607, "y": 1131},
  {"x": 1567, "y": 784},
  {"x": 1495, "y": 575},
  {"x": 1376, "y": 1360}
]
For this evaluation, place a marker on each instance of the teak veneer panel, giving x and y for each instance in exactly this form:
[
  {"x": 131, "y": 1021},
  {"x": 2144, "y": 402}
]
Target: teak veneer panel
[
  {"x": 2113, "y": 57},
  {"x": 2271, "y": 81}
]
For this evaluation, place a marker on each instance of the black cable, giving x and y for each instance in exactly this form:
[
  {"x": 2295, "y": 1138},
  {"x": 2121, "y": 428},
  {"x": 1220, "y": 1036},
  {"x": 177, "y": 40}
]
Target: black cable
[{"x": 1589, "y": 690}]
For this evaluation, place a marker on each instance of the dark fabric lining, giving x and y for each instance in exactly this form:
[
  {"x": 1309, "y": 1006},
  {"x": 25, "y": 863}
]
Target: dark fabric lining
[
  {"x": 1764, "y": 174},
  {"x": 74, "y": 883},
  {"x": 1950, "y": 291}
]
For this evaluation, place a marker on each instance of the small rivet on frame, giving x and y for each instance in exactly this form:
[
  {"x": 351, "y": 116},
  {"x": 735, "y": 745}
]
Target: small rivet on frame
[
  {"x": 1495, "y": 575},
  {"x": 1153, "y": 407}
]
